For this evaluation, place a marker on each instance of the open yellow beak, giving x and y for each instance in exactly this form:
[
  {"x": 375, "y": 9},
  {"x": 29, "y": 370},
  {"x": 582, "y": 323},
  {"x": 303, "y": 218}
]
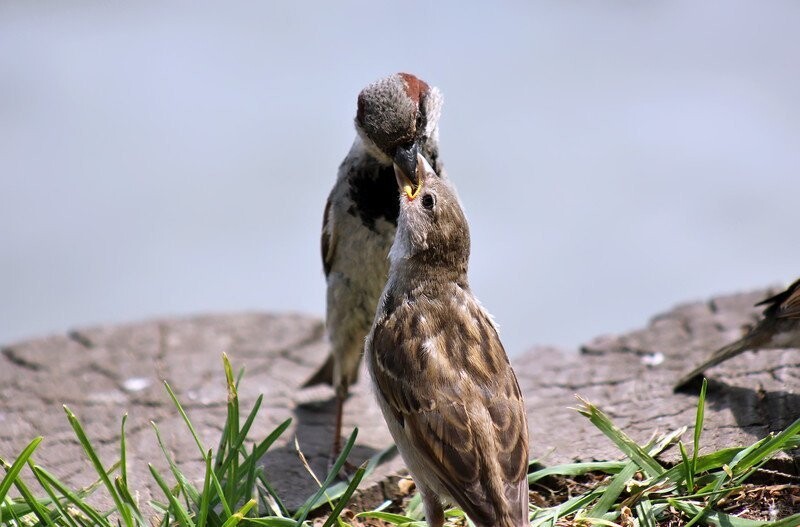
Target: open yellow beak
[
  {"x": 407, "y": 186},
  {"x": 407, "y": 189}
]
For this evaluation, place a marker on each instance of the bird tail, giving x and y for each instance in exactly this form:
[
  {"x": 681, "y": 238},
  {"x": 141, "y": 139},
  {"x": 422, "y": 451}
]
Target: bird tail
[
  {"x": 324, "y": 375},
  {"x": 523, "y": 520},
  {"x": 517, "y": 513},
  {"x": 721, "y": 355}
]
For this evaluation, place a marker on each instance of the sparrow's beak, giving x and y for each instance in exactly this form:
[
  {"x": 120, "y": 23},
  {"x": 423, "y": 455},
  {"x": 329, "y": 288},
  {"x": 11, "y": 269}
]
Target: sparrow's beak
[{"x": 405, "y": 169}]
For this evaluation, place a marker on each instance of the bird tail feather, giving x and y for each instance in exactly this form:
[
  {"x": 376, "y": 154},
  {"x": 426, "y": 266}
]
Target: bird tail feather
[
  {"x": 721, "y": 355},
  {"x": 324, "y": 375}
]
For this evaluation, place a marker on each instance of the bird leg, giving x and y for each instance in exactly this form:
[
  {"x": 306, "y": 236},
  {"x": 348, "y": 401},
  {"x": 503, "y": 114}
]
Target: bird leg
[
  {"x": 434, "y": 513},
  {"x": 336, "y": 449},
  {"x": 337, "y": 427}
]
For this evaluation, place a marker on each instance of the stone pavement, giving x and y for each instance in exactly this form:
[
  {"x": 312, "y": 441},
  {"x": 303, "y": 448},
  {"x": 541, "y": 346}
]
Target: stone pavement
[{"x": 102, "y": 373}]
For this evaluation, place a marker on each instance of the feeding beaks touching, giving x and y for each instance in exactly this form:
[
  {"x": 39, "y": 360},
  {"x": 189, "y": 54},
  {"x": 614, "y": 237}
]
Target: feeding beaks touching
[
  {"x": 397, "y": 119},
  {"x": 410, "y": 173},
  {"x": 406, "y": 163}
]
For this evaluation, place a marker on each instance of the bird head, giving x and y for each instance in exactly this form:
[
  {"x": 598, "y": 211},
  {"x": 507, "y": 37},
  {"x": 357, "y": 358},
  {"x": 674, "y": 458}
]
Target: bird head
[
  {"x": 432, "y": 228},
  {"x": 398, "y": 118}
]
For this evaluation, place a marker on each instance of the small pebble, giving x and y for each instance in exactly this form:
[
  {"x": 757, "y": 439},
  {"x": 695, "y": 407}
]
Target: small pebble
[
  {"x": 653, "y": 359},
  {"x": 136, "y": 384}
]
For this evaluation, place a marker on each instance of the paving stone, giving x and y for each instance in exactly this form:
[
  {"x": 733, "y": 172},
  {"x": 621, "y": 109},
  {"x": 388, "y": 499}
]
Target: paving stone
[{"x": 103, "y": 373}]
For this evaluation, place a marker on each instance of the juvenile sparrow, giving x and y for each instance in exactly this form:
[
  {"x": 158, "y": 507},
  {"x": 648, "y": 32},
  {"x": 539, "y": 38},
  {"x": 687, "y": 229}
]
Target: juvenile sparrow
[
  {"x": 780, "y": 328},
  {"x": 441, "y": 376},
  {"x": 397, "y": 119}
]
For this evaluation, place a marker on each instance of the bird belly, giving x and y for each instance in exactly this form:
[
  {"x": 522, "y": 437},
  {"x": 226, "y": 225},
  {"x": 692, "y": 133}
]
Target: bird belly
[
  {"x": 355, "y": 282},
  {"x": 417, "y": 466}
]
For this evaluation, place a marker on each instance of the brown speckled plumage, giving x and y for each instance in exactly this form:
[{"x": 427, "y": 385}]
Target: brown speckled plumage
[
  {"x": 441, "y": 375},
  {"x": 396, "y": 117}
]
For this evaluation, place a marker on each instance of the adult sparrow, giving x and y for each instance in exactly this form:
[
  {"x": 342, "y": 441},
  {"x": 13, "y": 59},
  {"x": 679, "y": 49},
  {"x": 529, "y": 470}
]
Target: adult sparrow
[
  {"x": 397, "y": 118},
  {"x": 441, "y": 376},
  {"x": 780, "y": 328}
]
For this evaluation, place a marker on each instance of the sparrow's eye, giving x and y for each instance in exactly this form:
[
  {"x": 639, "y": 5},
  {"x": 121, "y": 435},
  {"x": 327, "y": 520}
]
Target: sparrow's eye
[{"x": 428, "y": 201}]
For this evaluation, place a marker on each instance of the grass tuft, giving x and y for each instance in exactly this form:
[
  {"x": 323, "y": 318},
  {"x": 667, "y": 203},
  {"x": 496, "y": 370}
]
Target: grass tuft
[
  {"x": 638, "y": 491},
  {"x": 234, "y": 488}
]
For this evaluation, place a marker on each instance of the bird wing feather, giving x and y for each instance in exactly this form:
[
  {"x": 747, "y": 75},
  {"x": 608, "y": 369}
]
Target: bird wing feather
[
  {"x": 785, "y": 304},
  {"x": 466, "y": 419},
  {"x": 328, "y": 239}
]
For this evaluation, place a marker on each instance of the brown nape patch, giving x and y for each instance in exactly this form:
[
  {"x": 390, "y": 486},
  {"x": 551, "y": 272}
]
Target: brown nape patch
[{"x": 414, "y": 86}]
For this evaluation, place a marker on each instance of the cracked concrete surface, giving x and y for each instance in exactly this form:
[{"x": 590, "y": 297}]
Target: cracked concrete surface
[{"x": 102, "y": 373}]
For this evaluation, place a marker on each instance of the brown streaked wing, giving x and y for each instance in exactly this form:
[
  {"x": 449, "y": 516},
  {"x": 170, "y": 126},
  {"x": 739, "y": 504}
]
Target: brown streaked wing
[
  {"x": 785, "y": 304},
  {"x": 328, "y": 238},
  {"x": 438, "y": 420},
  {"x": 510, "y": 429},
  {"x": 435, "y": 421},
  {"x": 507, "y": 409}
]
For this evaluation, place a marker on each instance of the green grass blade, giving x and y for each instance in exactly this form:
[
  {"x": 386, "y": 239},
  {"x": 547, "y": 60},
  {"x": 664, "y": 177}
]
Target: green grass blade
[
  {"x": 716, "y": 494},
  {"x": 689, "y": 468},
  {"x": 261, "y": 448},
  {"x": 202, "y": 509},
  {"x": 222, "y": 447},
  {"x": 698, "y": 425},
  {"x": 302, "y": 513},
  {"x": 98, "y": 466},
  {"x": 176, "y": 507},
  {"x": 636, "y": 453},
  {"x": 239, "y": 515},
  {"x": 577, "y": 469},
  {"x": 16, "y": 467},
  {"x": 185, "y": 417},
  {"x": 186, "y": 487},
  {"x": 121, "y": 483},
  {"x": 249, "y": 490},
  {"x": 345, "y": 497},
  {"x": 16, "y": 510},
  {"x": 57, "y": 504},
  {"x": 275, "y": 503},
  {"x": 129, "y": 501},
  {"x": 720, "y": 519},
  {"x": 414, "y": 508},
  {"x": 220, "y": 497},
  {"x": 272, "y": 521},
  {"x": 84, "y": 492},
  {"x": 388, "y": 517},
  {"x": 13, "y": 509},
  {"x": 699, "y": 495},
  {"x": 123, "y": 458},
  {"x": 704, "y": 463},
  {"x": 72, "y": 497},
  {"x": 611, "y": 493},
  {"x": 337, "y": 490},
  {"x": 789, "y": 521},
  {"x": 166, "y": 520},
  {"x": 646, "y": 514},
  {"x": 233, "y": 451},
  {"x": 764, "y": 451},
  {"x": 36, "y": 507},
  {"x": 662, "y": 442},
  {"x": 232, "y": 433},
  {"x": 571, "y": 506}
]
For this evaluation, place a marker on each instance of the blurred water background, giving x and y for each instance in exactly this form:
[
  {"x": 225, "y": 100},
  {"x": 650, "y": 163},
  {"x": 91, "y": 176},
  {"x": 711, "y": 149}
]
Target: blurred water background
[{"x": 614, "y": 158}]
